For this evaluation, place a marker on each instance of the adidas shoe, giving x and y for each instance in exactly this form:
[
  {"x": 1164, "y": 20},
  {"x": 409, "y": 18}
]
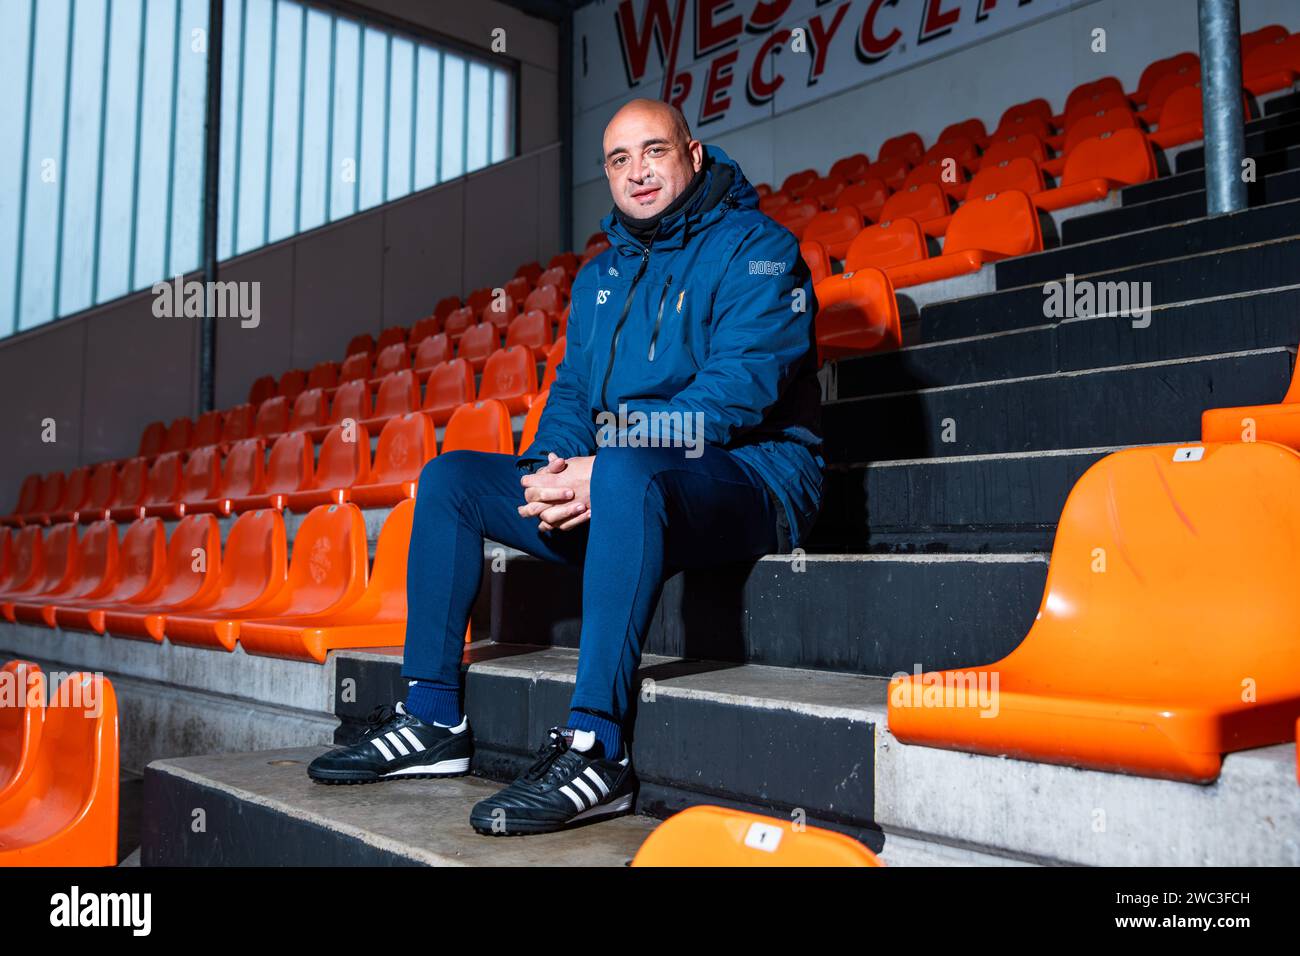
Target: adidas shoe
[
  {"x": 396, "y": 745},
  {"x": 571, "y": 780}
]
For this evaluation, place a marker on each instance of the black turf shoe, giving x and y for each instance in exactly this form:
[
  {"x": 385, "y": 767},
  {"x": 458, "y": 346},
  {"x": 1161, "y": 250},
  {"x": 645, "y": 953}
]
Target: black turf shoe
[
  {"x": 397, "y": 746},
  {"x": 571, "y": 780}
]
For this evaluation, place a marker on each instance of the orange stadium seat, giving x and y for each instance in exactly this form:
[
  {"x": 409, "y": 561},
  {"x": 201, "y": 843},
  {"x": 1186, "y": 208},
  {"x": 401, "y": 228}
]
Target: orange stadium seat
[
  {"x": 983, "y": 230},
  {"x": 1032, "y": 112},
  {"x": 392, "y": 335},
  {"x": 76, "y": 492},
  {"x": 908, "y": 146},
  {"x": 558, "y": 277},
  {"x": 96, "y": 574},
  {"x": 1252, "y": 41},
  {"x": 151, "y": 439},
  {"x": 711, "y": 836},
  {"x": 360, "y": 343},
  {"x": 27, "y": 564},
  {"x": 356, "y": 366},
  {"x": 428, "y": 326},
  {"x": 480, "y": 426},
  {"x": 1276, "y": 423},
  {"x": 351, "y": 401},
  {"x": 49, "y": 498},
  {"x": 253, "y": 570},
  {"x": 272, "y": 417},
  {"x": 292, "y": 384},
  {"x": 392, "y": 358},
  {"x": 261, "y": 389},
  {"x": 190, "y": 579},
  {"x": 857, "y": 312},
  {"x": 510, "y": 376},
  {"x": 1187, "y": 541},
  {"x": 162, "y": 486},
  {"x": 1013, "y": 147},
  {"x": 179, "y": 435},
  {"x": 405, "y": 444},
  {"x": 518, "y": 288},
  {"x": 445, "y": 307},
  {"x": 532, "y": 329},
  {"x": 1183, "y": 118},
  {"x": 142, "y": 569},
  {"x": 499, "y": 312},
  {"x": 323, "y": 375},
  {"x": 1159, "y": 69},
  {"x": 823, "y": 191},
  {"x": 1273, "y": 65},
  {"x": 972, "y": 129},
  {"x": 891, "y": 172},
  {"x": 834, "y": 230},
  {"x": 207, "y": 430},
  {"x": 888, "y": 244},
  {"x": 817, "y": 259},
  {"x": 867, "y": 197},
  {"x": 533, "y": 419},
  {"x": 553, "y": 359},
  {"x": 432, "y": 351},
  {"x": 547, "y": 298},
  {"x": 99, "y": 493},
  {"x": 27, "y": 495},
  {"x": 374, "y": 617},
  {"x": 311, "y": 408},
  {"x": 288, "y": 469},
  {"x": 21, "y": 724},
  {"x": 200, "y": 482},
  {"x": 129, "y": 494},
  {"x": 239, "y": 424},
  {"x": 530, "y": 271},
  {"x": 568, "y": 261},
  {"x": 399, "y": 394},
  {"x": 851, "y": 169},
  {"x": 55, "y": 560},
  {"x": 478, "y": 342},
  {"x": 244, "y": 474},
  {"x": 1087, "y": 127},
  {"x": 456, "y": 323},
  {"x": 64, "y": 813},
  {"x": 450, "y": 385},
  {"x": 344, "y": 460},
  {"x": 927, "y": 205},
  {"x": 796, "y": 216},
  {"x": 1165, "y": 87},
  {"x": 1020, "y": 173},
  {"x": 1099, "y": 165}
]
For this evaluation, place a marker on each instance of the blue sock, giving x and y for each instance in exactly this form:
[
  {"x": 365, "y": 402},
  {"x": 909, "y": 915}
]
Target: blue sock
[
  {"x": 434, "y": 703},
  {"x": 607, "y": 731}
]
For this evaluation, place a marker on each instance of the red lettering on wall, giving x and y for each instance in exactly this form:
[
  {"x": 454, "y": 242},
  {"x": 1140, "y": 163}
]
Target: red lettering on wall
[
  {"x": 656, "y": 26},
  {"x": 938, "y": 21},
  {"x": 710, "y": 34},
  {"x": 716, "y": 102},
  {"x": 820, "y": 36},
  {"x": 759, "y": 90},
  {"x": 872, "y": 47}
]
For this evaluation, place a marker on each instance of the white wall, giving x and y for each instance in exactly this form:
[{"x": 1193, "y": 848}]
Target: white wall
[{"x": 1047, "y": 58}]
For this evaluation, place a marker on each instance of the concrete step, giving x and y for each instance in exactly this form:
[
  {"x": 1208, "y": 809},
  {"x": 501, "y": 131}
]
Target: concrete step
[
  {"x": 1137, "y": 404},
  {"x": 1249, "y": 320},
  {"x": 780, "y": 741},
  {"x": 1281, "y": 132},
  {"x": 1267, "y": 189},
  {"x": 1266, "y": 164},
  {"x": 1157, "y": 242}
]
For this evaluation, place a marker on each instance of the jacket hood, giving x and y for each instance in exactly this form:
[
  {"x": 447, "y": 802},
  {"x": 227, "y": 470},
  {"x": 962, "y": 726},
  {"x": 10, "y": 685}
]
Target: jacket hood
[{"x": 725, "y": 188}]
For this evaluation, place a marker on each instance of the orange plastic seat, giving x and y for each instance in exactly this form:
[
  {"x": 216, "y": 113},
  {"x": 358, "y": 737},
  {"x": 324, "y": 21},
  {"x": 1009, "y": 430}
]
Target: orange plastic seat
[
  {"x": 1161, "y": 68},
  {"x": 533, "y": 418},
  {"x": 129, "y": 496},
  {"x": 99, "y": 494},
  {"x": 243, "y": 474},
  {"x": 21, "y": 723},
  {"x": 426, "y": 327},
  {"x": 851, "y": 169},
  {"x": 1183, "y": 118},
  {"x": 547, "y": 298},
  {"x": 558, "y": 277},
  {"x": 1165, "y": 87},
  {"x": 797, "y": 181},
  {"x": 796, "y": 216},
  {"x": 142, "y": 568},
  {"x": 817, "y": 259},
  {"x": 519, "y": 287},
  {"x": 1276, "y": 423},
  {"x": 867, "y": 197},
  {"x": 1087, "y": 127},
  {"x": 351, "y": 402},
  {"x": 450, "y": 385},
  {"x": 374, "y": 616},
  {"x": 834, "y": 230},
  {"x": 151, "y": 439},
  {"x": 162, "y": 489},
  {"x": 55, "y": 558},
  {"x": 207, "y": 430},
  {"x": 857, "y": 312},
  {"x": 1252, "y": 41},
  {"x": 288, "y": 469},
  {"x": 768, "y": 205},
  {"x": 719, "y": 837},
  {"x": 311, "y": 409},
  {"x": 322, "y": 375},
  {"x": 344, "y": 460},
  {"x": 180, "y": 434},
  {"x": 926, "y": 203},
  {"x": 357, "y": 366},
  {"x": 460, "y": 320},
  {"x": 405, "y": 444},
  {"x": 1139, "y": 658},
  {"x": 65, "y": 812},
  {"x": 392, "y": 359},
  {"x": 364, "y": 342},
  {"x": 510, "y": 376},
  {"x": 27, "y": 495},
  {"x": 190, "y": 579},
  {"x": 272, "y": 417},
  {"x": 480, "y": 426},
  {"x": 983, "y": 230},
  {"x": 1032, "y": 112},
  {"x": 292, "y": 384},
  {"x": 972, "y": 129},
  {"x": 1020, "y": 173},
  {"x": 478, "y": 342},
  {"x": 1098, "y": 97},
  {"x": 253, "y": 570},
  {"x": 553, "y": 359},
  {"x": 432, "y": 351},
  {"x": 824, "y": 190},
  {"x": 261, "y": 389},
  {"x": 95, "y": 575},
  {"x": 76, "y": 492},
  {"x": 1273, "y": 65},
  {"x": 1099, "y": 165},
  {"x": 390, "y": 336},
  {"x": 499, "y": 312},
  {"x": 530, "y": 271},
  {"x": 198, "y": 480},
  {"x": 891, "y": 172},
  {"x": 908, "y": 146},
  {"x": 49, "y": 497},
  {"x": 887, "y": 244},
  {"x": 399, "y": 394},
  {"x": 449, "y": 304},
  {"x": 239, "y": 424},
  {"x": 27, "y": 564},
  {"x": 1002, "y": 151},
  {"x": 532, "y": 329},
  {"x": 961, "y": 150}
]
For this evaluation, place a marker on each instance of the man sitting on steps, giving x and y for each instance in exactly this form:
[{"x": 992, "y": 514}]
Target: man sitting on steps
[{"x": 682, "y": 431}]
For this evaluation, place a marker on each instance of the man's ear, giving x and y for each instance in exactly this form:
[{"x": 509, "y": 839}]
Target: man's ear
[{"x": 697, "y": 154}]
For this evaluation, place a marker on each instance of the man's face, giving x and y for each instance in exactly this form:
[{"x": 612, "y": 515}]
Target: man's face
[{"x": 648, "y": 161}]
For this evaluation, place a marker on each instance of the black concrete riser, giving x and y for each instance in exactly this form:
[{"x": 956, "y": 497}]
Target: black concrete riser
[
  {"x": 1279, "y": 187},
  {"x": 1251, "y": 321},
  {"x": 1153, "y": 245},
  {"x": 1266, "y": 164},
  {"x": 1202, "y": 276},
  {"x": 1268, "y": 140},
  {"x": 1138, "y": 405}
]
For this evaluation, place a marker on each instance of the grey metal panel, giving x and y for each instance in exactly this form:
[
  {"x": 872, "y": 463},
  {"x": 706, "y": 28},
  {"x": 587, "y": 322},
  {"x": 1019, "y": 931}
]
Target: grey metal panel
[
  {"x": 40, "y": 377},
  {"x": 338, "y": 288},
  {"x": 246, "y": 354},
  {"x": 138, "y": 368},
  {"x": 423, "y": 253},
  {"x": 501, "y": 210},
  {"x": 549, "y": 240},
  {"x": 539, "y": 105}
]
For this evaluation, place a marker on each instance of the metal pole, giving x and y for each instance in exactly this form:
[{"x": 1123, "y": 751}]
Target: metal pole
[
  {"x": 1221, "y": 100},
  {"x": 211, "y": 184}
]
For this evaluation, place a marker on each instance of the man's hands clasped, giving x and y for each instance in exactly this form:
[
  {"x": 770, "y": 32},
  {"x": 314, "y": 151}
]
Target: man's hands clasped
[{"x": 559, "y": 493}]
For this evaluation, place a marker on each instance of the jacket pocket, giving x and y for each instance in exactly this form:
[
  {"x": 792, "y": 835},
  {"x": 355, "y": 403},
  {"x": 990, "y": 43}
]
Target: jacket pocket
[{"x": 659, "y": 318}]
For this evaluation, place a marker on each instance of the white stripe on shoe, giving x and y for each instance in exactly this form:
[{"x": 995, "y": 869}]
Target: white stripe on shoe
[
  {"x": 414, "y": 740},
  {"x": 577, "y": 800},
  {"x": 586, "y": 791},
  {"x": 396, "y": 741},
  {"x": 379, "y": 745},
  {"x": 595, "y": 778}
]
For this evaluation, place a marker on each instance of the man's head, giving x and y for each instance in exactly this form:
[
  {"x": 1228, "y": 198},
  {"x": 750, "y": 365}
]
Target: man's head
[{"x": 649, "y": 157}]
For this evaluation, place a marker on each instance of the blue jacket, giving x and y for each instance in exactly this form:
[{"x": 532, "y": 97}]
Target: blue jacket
[{"x": 715, "y": 316}]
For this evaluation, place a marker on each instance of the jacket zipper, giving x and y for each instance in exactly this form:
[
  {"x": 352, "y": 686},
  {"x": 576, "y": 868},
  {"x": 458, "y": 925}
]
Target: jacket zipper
[
  {"x": 659, "y": 318},
  {"x": 627, "y": 307}
]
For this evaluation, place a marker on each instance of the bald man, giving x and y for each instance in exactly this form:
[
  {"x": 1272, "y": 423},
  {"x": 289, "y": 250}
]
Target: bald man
[{"x": 682, "y": 431}]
